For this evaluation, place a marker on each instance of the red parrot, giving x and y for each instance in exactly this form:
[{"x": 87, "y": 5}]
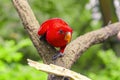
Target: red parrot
[{"x": 57, "y": 33}]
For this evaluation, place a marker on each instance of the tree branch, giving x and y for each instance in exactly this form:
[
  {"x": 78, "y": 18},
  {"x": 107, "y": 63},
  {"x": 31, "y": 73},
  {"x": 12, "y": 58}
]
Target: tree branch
[
  {"x": 73, "y": 50},
  {"x": 57, "y": 70},
  {"x": 31, "y": 25}
]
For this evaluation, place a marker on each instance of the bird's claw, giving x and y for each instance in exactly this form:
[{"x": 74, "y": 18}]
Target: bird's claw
[{"x": 57, "y": 56}]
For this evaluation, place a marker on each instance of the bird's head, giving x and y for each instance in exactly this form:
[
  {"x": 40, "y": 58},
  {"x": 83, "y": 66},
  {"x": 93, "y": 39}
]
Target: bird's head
[{"x": 65, "y": 33}]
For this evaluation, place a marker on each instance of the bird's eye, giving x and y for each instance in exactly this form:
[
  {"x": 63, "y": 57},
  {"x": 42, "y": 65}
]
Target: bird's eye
[{"x": 61, "y": 31}]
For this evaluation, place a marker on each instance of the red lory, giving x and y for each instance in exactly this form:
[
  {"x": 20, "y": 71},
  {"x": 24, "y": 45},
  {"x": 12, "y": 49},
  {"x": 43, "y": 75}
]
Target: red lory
[{"x": 57, "y": 33}]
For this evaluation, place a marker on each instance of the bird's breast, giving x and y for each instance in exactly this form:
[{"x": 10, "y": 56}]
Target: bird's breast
[{"x": 55, "y": 40}]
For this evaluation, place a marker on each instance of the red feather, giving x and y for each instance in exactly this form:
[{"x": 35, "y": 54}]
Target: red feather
[{"x": 55, "y": 30}]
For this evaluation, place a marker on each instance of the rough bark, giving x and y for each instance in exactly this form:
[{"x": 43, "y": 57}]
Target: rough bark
[{"x": 73, "y": 50}]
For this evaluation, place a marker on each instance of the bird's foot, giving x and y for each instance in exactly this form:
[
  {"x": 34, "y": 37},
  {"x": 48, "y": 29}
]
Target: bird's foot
[{"x": 57, "y": 55}]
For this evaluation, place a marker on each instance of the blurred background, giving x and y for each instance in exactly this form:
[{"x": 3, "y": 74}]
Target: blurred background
[{"x": 99, "y": 62}]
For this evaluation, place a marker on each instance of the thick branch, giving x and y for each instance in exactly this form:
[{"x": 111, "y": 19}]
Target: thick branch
[
  {"x": 73, "y": 50},
  {"x": 31, "y": 25},
  {"x": 82, "y": 43},
  {"x": 53, "y": 69}
]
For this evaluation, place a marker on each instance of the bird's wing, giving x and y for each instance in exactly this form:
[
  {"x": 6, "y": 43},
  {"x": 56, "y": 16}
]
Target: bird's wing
[{"x": 42, "y": 30}]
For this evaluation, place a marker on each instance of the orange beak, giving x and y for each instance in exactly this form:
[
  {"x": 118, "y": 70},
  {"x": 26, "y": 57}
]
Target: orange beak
[{"x": 68, "y": 37}]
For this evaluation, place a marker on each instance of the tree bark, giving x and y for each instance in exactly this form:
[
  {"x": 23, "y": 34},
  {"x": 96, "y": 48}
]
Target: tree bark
[{"x": 73, "y": 50}]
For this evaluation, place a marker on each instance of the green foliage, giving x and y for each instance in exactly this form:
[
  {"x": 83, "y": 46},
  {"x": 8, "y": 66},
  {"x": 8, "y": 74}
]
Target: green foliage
[
  {"x": 110, "y": 69},
  {"x": 9, "y": 51},
  {"x": 10, "y": 68},
  {"x": 19, "y": 72},
  {"x": 99, "y": 65}
]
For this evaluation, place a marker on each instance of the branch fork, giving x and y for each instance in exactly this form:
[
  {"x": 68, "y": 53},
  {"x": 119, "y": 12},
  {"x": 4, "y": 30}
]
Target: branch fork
[{"x": 73, "y": 50}]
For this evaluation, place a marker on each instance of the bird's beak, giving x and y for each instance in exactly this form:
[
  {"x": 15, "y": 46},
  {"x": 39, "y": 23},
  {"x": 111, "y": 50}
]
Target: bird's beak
[{"x": 68, "y": 37}]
